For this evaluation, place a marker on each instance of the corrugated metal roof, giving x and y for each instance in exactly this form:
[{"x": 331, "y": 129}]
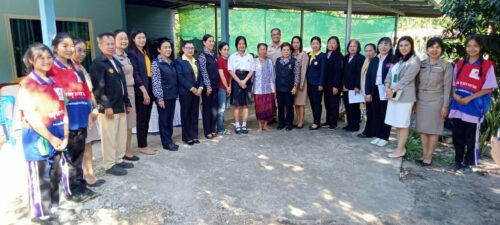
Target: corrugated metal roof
[{"x": 417, "y": 8}]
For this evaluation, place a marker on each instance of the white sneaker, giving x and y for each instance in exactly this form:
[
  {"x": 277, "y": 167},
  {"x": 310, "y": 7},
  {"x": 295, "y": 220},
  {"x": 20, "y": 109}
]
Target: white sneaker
[
  {"x": 374, "y": 142},
  {"x": 382, "y": 143}
]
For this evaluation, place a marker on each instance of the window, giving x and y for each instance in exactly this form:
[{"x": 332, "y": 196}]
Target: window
[{"x": 26, "y": 31}]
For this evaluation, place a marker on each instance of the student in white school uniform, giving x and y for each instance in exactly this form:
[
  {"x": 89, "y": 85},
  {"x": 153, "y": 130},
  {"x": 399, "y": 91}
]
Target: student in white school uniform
[{"x": 241, "y": 69}]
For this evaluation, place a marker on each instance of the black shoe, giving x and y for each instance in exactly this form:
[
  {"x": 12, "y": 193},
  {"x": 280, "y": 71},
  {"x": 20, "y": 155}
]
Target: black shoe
[
  {"x": 170, "y": 147},
  {"x": 332, "y": 127},
  {"x": 457, "y": 167},
  {"x": 280, "y": 127},
  {"x": 125, "y": 165},
  {"x": 133, "y": 158},
  {"x": 97, "y": 183},
  {"x": 300, "y": 127},
  {"x": 82, "y": 196},
  {"x": 209, "y": 136},
  {"x": 424, "y": 164},
  {"x": 346, "y": 128},
  {"x": 244, "y": 130},
  {"x": 325, "y": 124},
  {"x": 289, "y": 128},
  {"x": 196, "y": 141},
  {"x": 466, "y": 169},
  {"x": 237, "y": 130},
  {"x": 116, "y": 170},
  {"x": 191, "y": 142},
  {"x": 176, "y": 146},
  {"x": 313, "y": 128}
]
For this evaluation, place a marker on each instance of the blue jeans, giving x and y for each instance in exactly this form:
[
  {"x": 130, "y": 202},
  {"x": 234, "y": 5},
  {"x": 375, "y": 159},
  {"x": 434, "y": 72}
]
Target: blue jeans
[{"x": 221, "y": 108}]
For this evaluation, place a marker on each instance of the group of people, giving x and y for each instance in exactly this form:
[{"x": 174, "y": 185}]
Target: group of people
[{"x": 64, "y": 108}]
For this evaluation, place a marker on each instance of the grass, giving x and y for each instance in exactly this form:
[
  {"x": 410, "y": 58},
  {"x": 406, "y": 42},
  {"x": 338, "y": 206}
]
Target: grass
[{"x": 414, "y": 150}]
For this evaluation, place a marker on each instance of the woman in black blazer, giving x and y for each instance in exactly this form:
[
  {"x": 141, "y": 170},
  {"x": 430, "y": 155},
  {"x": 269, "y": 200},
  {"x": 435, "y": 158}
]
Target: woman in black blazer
[
  {"x": 165, "y": 90},
  {"x": 210, "y": 95},
  {"x": 141, "y": 61},
  {"x": 352, "y": 81},
  {"x": 316, "y": 79},
  {"x": 375, "y": 76},
  {"x": 190, "y": 89},
  {"x": 333, "y": 82}
]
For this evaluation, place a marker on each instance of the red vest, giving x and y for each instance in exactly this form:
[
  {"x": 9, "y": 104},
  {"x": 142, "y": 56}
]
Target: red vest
[
  {"x": 469, "y": 78},
  {"x": 68, "y": 79},
  {"x": 48, "y": 96}
]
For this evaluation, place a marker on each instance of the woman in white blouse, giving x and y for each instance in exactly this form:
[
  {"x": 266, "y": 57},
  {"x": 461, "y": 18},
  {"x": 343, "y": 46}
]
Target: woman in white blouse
[{"x": 241, "y": 69}]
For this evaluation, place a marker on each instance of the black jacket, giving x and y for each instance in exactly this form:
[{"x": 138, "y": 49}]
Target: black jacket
[
  {"x": 371, "y": 73},
  {"x": 285, "y": 78},
  {"x": 185, "y": 76},
  {"x": 109, "y": 87},
  {"x": 334, "y": 70},
  {"x": 352, "y": 72},
  {"x": 316, "y": 70},
  {"x": 140, "y": 69}
]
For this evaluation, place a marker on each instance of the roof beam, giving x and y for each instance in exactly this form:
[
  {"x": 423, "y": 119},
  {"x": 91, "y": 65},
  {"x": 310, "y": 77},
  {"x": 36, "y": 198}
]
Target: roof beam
[
  {"x": 388, "y": 9},
  {"x": 273, "y": 4}
]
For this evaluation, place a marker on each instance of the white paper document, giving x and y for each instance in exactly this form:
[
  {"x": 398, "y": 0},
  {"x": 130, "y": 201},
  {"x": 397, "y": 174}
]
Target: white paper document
[
  {"x": 356, "y": 98},
  {"x": 381, "y": 92}
]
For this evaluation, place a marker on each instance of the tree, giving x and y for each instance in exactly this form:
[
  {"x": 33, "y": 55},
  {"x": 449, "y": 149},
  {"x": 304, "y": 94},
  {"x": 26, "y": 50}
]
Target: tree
[{"x": 480, "y": 17}]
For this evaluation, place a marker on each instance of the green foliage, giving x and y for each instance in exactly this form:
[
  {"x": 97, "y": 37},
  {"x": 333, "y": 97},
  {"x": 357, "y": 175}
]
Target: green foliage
[
  {"x": 413, "y": 146},
  {"x": 476, "y": 17}
]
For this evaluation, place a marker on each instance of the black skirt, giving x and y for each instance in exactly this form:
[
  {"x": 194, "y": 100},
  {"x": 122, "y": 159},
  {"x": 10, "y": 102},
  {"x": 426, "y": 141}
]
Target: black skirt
[{"x": 240, "y": 96}]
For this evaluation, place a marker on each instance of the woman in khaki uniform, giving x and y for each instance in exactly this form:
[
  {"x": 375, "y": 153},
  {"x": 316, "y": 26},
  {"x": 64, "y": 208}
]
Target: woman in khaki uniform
[
  {"x": 301, "y": 95},
  {"x": 121, "y": 40},
  {"x": 433, "y": 97}
]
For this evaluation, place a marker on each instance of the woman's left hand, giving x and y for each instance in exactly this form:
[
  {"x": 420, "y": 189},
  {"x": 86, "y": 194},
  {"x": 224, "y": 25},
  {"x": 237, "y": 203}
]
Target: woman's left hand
[{"x": 444, "y": 112}]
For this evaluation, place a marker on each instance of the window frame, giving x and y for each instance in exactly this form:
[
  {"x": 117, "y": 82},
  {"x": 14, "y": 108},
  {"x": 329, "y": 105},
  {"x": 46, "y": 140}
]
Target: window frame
[{"x": 10, "y": 42}]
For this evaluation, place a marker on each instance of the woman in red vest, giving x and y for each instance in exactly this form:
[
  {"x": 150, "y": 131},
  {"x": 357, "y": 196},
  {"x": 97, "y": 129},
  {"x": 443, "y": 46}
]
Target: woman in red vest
[
  {"x": 44, "y": 133},
  {"x": 474, "y": 80}
]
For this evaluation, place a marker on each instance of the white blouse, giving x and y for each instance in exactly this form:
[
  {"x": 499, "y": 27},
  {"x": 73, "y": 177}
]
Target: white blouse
[{"x": 238, "y": 62}]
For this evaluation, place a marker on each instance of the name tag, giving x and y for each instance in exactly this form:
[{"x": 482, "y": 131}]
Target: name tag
[{"x": 474, "y": 74}]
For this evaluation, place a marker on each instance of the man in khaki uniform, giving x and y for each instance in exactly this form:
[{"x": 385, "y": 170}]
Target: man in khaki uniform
[{"x": 274, "y": 49}]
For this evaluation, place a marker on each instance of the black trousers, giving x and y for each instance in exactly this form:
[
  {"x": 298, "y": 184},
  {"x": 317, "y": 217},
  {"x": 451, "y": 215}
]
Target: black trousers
[
  {"x": 369, "y": 126},
  {"x": 209, "y": 111},
  {"x": 332, "y": 103},
  {"x": 464, "y": 141},
  {"x": 74, "y": 155},
  {"x": 166, "y": 122},
  {"x": 190, "y": 109},
  {"x": 379, "y": 109},
  {"x": 143, "y": 114},
  {"x": 353, "y": 112},
  {"x": 315, "y": 99},
  {"x": 285, "y": 104}
]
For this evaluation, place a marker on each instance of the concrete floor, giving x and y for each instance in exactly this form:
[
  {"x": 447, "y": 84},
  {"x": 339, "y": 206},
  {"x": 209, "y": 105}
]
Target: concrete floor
[{"x": 277, "y": 177}]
